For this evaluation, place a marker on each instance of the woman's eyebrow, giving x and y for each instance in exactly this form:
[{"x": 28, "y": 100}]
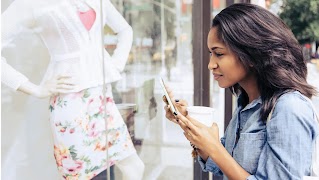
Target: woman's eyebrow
[{"x": 216, "y": 47}]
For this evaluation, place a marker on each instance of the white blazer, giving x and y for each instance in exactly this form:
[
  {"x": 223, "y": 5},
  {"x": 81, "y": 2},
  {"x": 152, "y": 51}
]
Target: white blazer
[{"x": 72, "y": 48}]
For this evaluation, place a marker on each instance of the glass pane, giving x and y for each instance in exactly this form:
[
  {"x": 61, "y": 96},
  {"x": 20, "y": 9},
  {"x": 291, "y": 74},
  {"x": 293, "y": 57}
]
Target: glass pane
[
  {"x": 54, "y": 52},
  {"x": 26, "y": 141},
  {"x": 161, "y": 47},
  {"x": 65, "y": 131},
  {"x": 218, "y": 94}
]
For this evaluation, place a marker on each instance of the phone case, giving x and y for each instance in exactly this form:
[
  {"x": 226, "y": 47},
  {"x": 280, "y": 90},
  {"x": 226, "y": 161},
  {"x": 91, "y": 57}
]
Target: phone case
[{"x": 172, "y": 107}]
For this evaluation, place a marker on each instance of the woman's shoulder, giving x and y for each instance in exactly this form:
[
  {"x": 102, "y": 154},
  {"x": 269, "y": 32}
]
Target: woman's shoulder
[
  {"x": 294, "y": 110},
  {"x": 293, "y": 99},
  {"x": 295, "y": 103}
]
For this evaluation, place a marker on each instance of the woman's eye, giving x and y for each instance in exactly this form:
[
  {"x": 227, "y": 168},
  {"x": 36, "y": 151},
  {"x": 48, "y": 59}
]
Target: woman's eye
[
  {"x": 218, "y": 54},
  {"x": 215, "y": 53}
]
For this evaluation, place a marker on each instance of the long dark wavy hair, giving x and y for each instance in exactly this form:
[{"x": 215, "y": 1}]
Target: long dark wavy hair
[{"x": 266, "y": 47}]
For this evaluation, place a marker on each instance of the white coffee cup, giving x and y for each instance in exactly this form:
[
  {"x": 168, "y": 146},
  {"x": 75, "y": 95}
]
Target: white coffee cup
[{"x": 202, "y": 114}]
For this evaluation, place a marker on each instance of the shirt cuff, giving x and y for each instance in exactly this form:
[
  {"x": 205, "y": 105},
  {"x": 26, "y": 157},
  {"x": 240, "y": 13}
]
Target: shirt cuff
[
  {"x": 202, "y": 164},
  {"x": 209, "y": 166}
]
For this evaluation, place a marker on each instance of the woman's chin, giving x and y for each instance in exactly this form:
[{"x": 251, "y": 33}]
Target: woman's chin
[{"x": 223, "y": 85}]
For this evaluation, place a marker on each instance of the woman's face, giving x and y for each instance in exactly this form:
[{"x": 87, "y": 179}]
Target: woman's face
[{"x": 225, "y": 66}]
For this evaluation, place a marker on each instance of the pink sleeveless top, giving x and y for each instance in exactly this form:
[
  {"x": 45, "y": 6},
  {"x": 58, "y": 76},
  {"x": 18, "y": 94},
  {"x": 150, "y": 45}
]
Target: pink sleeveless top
[{"x": 87, "y": 18}]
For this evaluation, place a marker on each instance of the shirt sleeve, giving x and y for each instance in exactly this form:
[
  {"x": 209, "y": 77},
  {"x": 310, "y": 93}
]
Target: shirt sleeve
[
  {"x": 210, "y": 165},
  {"x": 290, "y": 135},
  {"x": 12, "y": 25},
  {"x": 124, "y": 33}
]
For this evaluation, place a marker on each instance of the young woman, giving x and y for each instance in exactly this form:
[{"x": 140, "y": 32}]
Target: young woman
[
  {"x": 71, "y": 31},
  {"x": 256, "y": 55}
]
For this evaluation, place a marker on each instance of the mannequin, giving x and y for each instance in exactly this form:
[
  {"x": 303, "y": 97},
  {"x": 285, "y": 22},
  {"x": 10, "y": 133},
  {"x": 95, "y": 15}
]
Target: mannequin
[{"x": 73, "y": 81}]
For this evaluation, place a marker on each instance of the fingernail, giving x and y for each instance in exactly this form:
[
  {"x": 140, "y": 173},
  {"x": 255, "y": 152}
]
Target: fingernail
[
  {"x": 175, "y": 113},
  {"x": 176, "y": 100},
  {"x": 177, "y": 120}
]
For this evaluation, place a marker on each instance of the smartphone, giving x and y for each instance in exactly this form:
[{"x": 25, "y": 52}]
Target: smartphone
[{"x": 172, "y": 107}]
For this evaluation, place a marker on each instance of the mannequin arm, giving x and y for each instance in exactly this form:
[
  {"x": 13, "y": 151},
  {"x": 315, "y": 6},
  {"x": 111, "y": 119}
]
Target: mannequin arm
[
  {"x": 13, "y": 25},
  {"x": 124, "y": 32},
  {"x": 33, "y": 90}
]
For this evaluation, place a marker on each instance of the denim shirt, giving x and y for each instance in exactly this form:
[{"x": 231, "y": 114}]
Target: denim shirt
[{"x": 279, "y": 149}]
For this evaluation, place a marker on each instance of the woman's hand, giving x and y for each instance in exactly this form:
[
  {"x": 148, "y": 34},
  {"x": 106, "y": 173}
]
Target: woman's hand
[
  {"x": 57, "y": 85},
  {"x": 180, "y": 105},
  {"x": 205, "y": 138}
]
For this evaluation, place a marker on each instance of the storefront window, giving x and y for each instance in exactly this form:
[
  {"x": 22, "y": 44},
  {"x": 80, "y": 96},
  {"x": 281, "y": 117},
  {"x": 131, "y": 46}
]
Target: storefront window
[{"x": 162, "y": 47}]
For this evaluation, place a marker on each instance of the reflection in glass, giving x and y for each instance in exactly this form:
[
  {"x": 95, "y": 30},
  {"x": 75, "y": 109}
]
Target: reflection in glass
[
  {"x": 161, "y": 47},
  {"x": 77, "y": 81},
  {"x": 51, "y": 37}
]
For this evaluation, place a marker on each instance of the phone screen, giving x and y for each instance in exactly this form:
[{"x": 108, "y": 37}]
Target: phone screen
[{"x": 172, "y": 107}]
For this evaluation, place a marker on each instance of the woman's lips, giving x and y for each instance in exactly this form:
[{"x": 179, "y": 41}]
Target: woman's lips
[{"x": 217, "y": 76}]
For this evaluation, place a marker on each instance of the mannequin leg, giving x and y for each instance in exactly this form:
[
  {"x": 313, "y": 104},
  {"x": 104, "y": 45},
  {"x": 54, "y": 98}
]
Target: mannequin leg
[{"x": 132, "y": 167}]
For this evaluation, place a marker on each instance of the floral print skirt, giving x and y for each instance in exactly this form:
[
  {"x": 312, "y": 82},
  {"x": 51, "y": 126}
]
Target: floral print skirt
[{"x": 79, "y": 132}]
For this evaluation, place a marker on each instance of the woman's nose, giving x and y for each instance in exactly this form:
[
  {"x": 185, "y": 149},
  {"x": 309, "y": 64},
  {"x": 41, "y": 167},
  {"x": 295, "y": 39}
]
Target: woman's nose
[{"x": 212, "y": 65}]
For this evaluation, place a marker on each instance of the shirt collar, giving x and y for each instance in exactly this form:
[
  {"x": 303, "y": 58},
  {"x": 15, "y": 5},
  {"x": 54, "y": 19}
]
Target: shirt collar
[{"x": 253, "y": 104}]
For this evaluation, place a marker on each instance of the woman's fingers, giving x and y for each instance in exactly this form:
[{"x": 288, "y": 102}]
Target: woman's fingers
[
  {"x": 195, "y": 122},
  {"x": 181, "y": 106},
  {"x": 188, "y": 136},
  {"x": 215, "y": 129},
  {"x": 169, "y": 114},
  {"x": 165, "y": 100},
  {"x": 186, "y": 124},
  {"x": 181, "y": 102}
]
